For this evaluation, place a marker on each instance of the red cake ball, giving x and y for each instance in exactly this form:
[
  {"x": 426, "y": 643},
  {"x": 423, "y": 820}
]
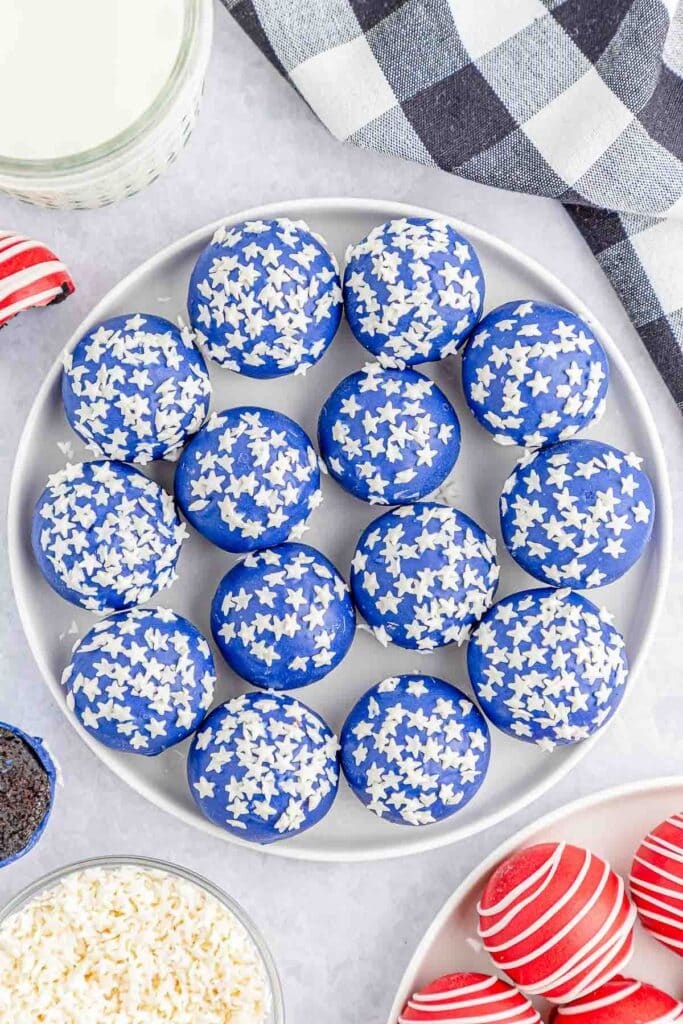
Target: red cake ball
[
  {"x": 557, "y": 920},
  {"x": 470, "y": 999},
  {"x": 657, "y": 882},
  {"x": 621, "y": 1001},
  {"x": 30, "y": 275}
]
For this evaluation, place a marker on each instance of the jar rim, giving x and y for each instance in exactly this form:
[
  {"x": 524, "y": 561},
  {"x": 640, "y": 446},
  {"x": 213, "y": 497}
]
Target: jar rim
[
  {"x": 198, "y": 15},
  {"x": 53, "y": 878}
]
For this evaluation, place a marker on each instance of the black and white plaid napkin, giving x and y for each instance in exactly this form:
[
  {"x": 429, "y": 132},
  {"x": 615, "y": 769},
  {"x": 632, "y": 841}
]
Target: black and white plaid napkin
[{"x": 580, "y": 100}]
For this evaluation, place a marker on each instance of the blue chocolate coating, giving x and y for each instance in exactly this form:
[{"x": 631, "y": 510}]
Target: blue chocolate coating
[
  {"x": 415, "y": 749},
  {"x": 423, "y": 574},
  {"x": 388, "y": 436},
  {"x": 105, "y": 536},
  {"x": 413, "y": 290},
  {"x": 249, "y": 479},
  {"x": 547, "y": 666},
  {"x": 283, "y": 617},
  {"x": 36, "y": 744},
  {"x": 141, "y": 680},
  {"x": 265, "y": 297},
  {"x": 577, "y": 514},
  {"x": 264, "y": 767},
  {"x": 135, "y": 387},
  {"x": 534, "y": 374}
]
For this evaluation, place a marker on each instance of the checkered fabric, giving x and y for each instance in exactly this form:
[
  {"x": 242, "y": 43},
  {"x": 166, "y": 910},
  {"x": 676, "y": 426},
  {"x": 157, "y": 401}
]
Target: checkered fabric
[{"x": 580, "y": 100}]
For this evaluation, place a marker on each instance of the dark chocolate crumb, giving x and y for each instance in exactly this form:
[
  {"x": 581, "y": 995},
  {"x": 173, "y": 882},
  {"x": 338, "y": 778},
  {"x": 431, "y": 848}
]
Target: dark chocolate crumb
[{"x": 24, "y": 794}]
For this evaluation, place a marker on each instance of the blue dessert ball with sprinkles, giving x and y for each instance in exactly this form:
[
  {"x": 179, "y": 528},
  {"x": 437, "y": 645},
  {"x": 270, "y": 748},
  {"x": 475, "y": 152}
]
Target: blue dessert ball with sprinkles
[
  {"x": 388, "y": 436},
  {"x": 249, "y": 479},
  {"x": 534, "y": 374},
  {"x": 135, "y": 387},
  {"x": 413, "y": 290},
  {"x": 105, "y": 536},
  {"x": 141, "y": 680},
  {"x": 547, "y": 666},
  {"x": 415, "y": 749},
  {"x": 577, "y": 514},
  {"x": 283, "y": 617},
  {"x": 265, "y": 297},
  {"x": 423, "y": 574},
  {"x": 264, "y": 767}
]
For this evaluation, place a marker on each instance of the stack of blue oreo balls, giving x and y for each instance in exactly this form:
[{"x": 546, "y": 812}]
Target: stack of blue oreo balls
[{"x": 265, "y": 300}]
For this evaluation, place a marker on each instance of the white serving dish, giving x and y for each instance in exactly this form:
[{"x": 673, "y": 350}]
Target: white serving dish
[
  {"x": 519, "y": 773},
  {"x": 611, "y": 823}
]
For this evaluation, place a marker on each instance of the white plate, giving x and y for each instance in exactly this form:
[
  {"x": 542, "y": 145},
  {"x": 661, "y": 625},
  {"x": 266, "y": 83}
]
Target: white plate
[
  {"x": 519, "y": 772},
  {"x": 611, "y": 823}
]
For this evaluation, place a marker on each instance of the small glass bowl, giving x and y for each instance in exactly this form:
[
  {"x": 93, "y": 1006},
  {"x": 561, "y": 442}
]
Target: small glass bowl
[
  {"x": 22, "y": 899},
  {"x": 132, "y": 159}
]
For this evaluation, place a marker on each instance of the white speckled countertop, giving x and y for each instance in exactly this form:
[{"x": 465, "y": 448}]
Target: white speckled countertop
[{"x": 341, "y": 934}]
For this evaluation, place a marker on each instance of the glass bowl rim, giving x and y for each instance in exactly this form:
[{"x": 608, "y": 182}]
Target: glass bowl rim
[
  {"x": 52, "y": 878},
  {"x": 198, "y": 19}
]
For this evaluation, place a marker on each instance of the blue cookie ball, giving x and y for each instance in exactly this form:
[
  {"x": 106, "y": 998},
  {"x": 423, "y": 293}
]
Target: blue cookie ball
[
  {"x": 249, "y": 479},
  {"x": 265, "y": 297},
  {"x": 534, "y": 374},
  {"x": 577, "y": 514},
  {"x": 547, "y": 666},
  {"x": 264, "y": 767},
  {"x": 413, "y": 290},
  {"x": 135, "y": 387},
  {"x": 415, "y": 749},
  {"x": 141, "y": 680},
  {"x": 423, "y": 574},
  {"x": 283, "y": 617},
  {"x": 388, "y": 436},
  {"x": 105, "y": 536},
  {"x": 28, "y": 776}
]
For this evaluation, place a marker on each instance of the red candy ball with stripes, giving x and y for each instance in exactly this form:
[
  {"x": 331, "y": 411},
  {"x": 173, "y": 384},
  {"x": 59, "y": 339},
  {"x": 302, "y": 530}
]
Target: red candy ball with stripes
[
  {"x": 557, "y": 920},
  {"x": 470, "y": 999},
  {"x": 657, "y": 882},
  {"x": 30, "y": 275},
  {"x": 621, "y": 1001}
]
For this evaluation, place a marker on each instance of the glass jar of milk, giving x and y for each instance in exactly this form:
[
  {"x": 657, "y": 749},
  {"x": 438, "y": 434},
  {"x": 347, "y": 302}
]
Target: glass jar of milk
[{"x": 98, "y": 96}]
